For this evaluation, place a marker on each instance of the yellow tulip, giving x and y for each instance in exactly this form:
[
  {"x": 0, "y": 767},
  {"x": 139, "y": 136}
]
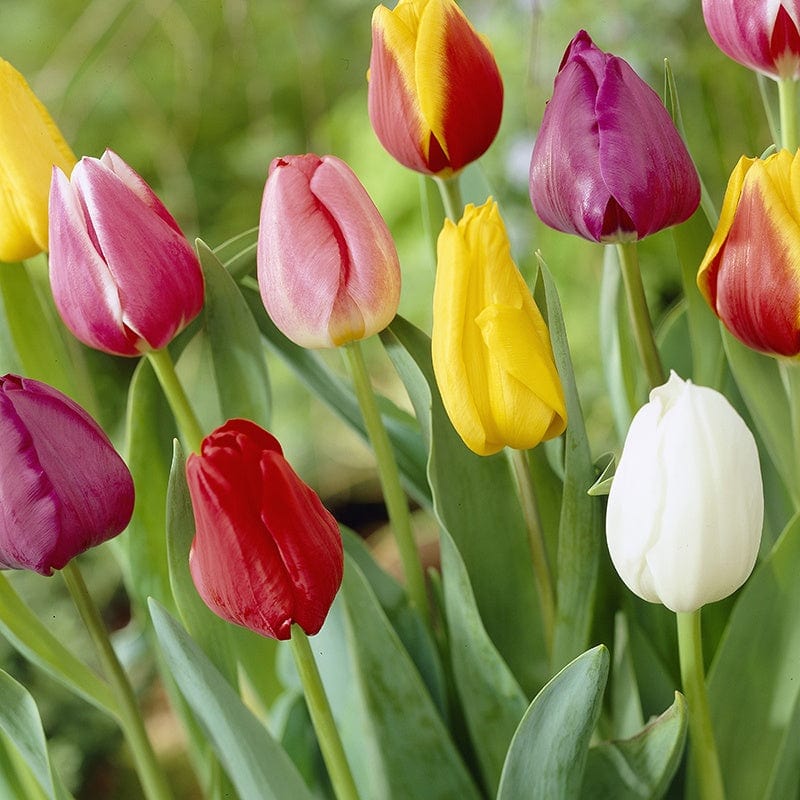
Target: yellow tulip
[
  {"x": 491, "y": 348},
  {"x": 30, "y": 145}
]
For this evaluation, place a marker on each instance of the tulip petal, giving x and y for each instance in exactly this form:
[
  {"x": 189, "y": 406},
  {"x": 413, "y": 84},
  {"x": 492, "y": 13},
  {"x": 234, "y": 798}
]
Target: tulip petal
[{"x": 643, "y": 160}]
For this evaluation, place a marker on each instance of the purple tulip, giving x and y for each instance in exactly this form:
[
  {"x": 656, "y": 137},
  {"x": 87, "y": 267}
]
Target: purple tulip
[
  {"x": 608, "y": 163},
  {"x": 124, "y": 278},
  {"x": 762, "y": 35},
  {"x": 63, "y": 487}
]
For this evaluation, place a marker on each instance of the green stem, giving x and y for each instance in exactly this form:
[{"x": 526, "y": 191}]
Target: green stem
[
  {"x": 150, "y": 773},
  {"x": 787, "y": 102},
  {"x": 541, "y": 568},
  {"x": 182, "y": 410},
  {"x": 450, "y": 191},
  {"x": 393, "y": 495},
  {"x": 640, "y": 315},
  {"x": 790, "y": 372},
  {"x": 702, "y": 747},
  {"x": 320, "y": 710}
]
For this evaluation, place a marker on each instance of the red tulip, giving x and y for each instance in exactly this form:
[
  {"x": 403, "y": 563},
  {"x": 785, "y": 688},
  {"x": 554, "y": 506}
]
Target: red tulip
[
  {"x": 63, "y": 487},
  {"x": 266, "y": 553},
  {"x": 124, "y": 278}
]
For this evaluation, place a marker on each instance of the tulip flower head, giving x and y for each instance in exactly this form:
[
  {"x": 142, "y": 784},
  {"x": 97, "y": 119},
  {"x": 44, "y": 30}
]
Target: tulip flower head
[
  {"x": 327, "y": 265},
  {"x": 30, "y": 144},
  {"x": 124, "y": 278},
  {"x": 266, "y": 553},
  {"x": 435, "y": 92},
  {"x": 491, "y": 349},
  {"x": 686, "y": 506},
  {"x": 608, "y": 163},
  {"x": 763, "y": 35},
  {"x": 63, "y": 487},
  {"x": 750, "y": 274}
]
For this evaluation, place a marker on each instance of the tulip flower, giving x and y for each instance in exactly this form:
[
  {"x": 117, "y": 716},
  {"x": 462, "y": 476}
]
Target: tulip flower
[
  {"x": 124, "y": 278},
  {"x": 435, "y": 93},
  {"x": 266, "y": 553},
  {"x": 764, "y": 36},
  {"x": 30, "y": 144},
  {"x": 491, "y": 349},
  {"x": 63, "y": 487},
  {"x": 686, "y": 505},
  {"x": 327, "y": 265},
  {"x": 608, "y": 163}
]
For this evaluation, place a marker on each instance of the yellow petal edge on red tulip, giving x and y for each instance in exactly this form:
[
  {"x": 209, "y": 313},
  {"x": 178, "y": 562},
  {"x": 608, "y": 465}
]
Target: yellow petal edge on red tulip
[
  {"x": 492, "y": 355},
  {"x": 30, "y": 144}
]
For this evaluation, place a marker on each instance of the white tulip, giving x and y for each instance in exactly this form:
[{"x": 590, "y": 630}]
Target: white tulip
[{"x": 686, "y": 507}]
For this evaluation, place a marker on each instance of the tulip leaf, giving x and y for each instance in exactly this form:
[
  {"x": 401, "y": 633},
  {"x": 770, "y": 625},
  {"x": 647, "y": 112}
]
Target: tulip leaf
[
  {"x": 402, "y": 428},
  {"x": 258, "y": 767},
  {"x": 415, "y": 756},
  {"x": 640, "y": 768},
  {"x": 754, "y": 680},
  {"x": 475, "y": 500},
  {"x": 492, "y": 700},
  {"x": 237, "y": 355},
  {"x": 581, "y": 525},
  {"x": 20, "y": 722},
  {"x": 549, "y": 750},
  {"x": 150, "y": 431}
]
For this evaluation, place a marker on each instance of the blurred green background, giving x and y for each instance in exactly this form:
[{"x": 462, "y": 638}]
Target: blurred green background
[{"x": 199, "y": 97}]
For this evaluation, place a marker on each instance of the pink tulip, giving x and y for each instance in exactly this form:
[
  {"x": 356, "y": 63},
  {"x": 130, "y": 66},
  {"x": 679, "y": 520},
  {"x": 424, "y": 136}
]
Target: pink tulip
[
  {"x": 124, "y": 278},
  {"x": 63, "y": 487},
  {"x": 327, "y": 266}
]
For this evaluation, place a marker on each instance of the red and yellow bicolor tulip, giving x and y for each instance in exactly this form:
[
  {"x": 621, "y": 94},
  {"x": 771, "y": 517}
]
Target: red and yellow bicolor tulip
[
  {"x": 30, "y": 145},
  {"x": 750, "y": 274},
  {"x": 435, "y": 92},
  {"x": 491, "y": 348}
]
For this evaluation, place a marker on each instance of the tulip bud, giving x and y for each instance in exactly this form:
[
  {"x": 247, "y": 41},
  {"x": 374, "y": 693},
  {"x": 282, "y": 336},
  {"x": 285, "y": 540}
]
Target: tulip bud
[
  {"x": 749, "y": 274},
  {"x": 30, "y": 144},
  {"x": 686, "y": 506},
  {"x": 435, "y": 93},
  {"x": 608, "y": 163},
  {"x": 266, "y": 553},
  {"x": 327, "y": 265},
  {"x": 63, "y": 487},
  {"x": 491, "y": 349},
  {"x": 758, "y": 34},
  {"x": 124, "y": 278}
]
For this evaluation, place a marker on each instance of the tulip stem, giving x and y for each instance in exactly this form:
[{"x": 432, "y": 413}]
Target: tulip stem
[
  {"x": 640, "y": 314},
  {"x": 150, "y": 773},
  {"x": 703, "y": 749},
  {"x": 541, "y": 569},
  {"x": 787, "y": 102},
  {"x": 322, "y": 718},
  {"x": 450, "y": 191},
  {"x": 393, "y": 495},
  {"x": 187, "y": 421}
]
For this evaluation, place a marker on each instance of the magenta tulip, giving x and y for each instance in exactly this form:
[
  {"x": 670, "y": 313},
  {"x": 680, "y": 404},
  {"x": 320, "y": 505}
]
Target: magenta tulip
[
  {"x": 124, "y": 278},
  {"x": 266, "y": 553},
  {"x": 63, "y": 487},
  {"x": 761, "y": 35},
  {"x": 608, "y": 163},
  {"x": 327, "y": 266}
]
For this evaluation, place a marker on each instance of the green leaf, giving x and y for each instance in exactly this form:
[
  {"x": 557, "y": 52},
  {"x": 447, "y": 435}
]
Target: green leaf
[
  {"x": 402, "y": 428},
  {"x": 548, "y": 753},
  {"x": 581, "y": 525},
  {"x": 626, "y": 706},
  {"x": 255, "y": 762},
  {"x": 475, "y": 500},
  {"x": 754, "y": 680},
  {"x": 395, "y": 740},
  {"x": 237, "y": 355},
  {"x": 640, "y": 768},
  {"x": 492, "y": 700},
  {"x": 20, "y": 721}
]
